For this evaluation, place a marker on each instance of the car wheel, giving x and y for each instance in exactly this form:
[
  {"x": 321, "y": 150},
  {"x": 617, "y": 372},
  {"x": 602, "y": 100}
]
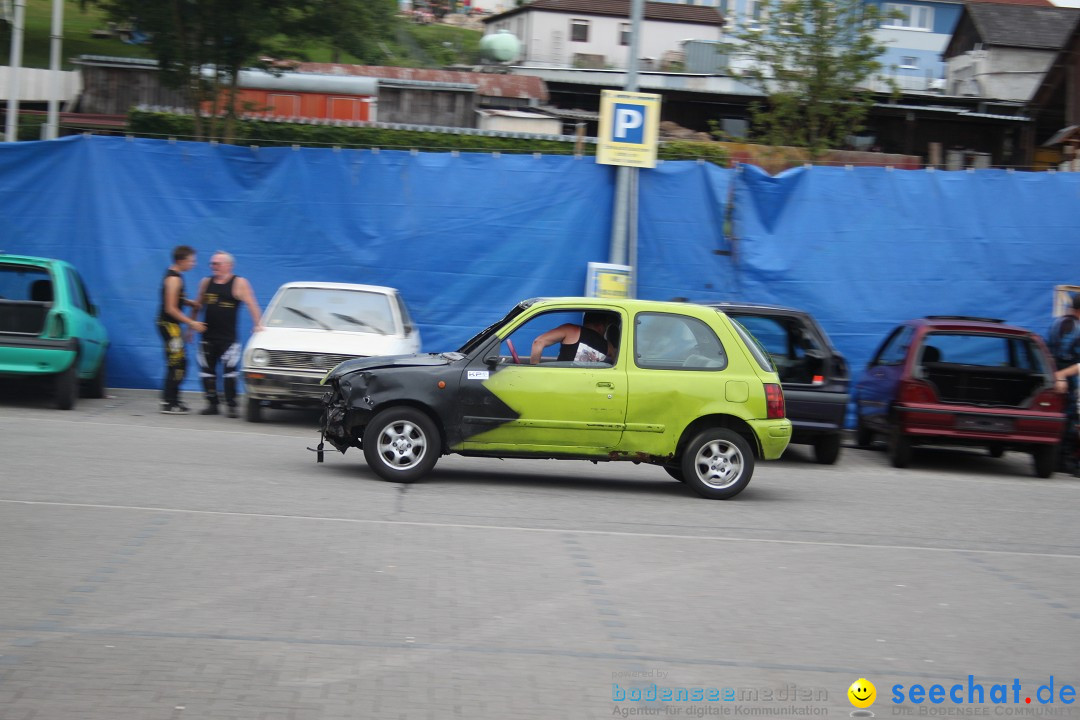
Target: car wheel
[
  {"x": 66, "y": 387},
  {"x": 827, "y": 449},
  {"x": 718, "y": 463},
  {"x": 899, "y": 448},
  {"x": 1045, "y": 457},
  {"x": 996, "y": 450},
  {"x": 253, "y": 410},
  {"x": 675, "y": 471},
  {"x": 401, "y": 444},
  {"x": 95, "y": 387}
]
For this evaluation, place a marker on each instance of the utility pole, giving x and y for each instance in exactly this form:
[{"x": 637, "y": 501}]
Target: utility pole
[
  {"x": 624, "y": 223},
  {"x": 11, "y": 133},
  {"x": 52, "y": 124}
]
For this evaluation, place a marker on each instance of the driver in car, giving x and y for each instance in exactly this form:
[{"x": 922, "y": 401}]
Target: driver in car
[{"x": 579, "y": 343}]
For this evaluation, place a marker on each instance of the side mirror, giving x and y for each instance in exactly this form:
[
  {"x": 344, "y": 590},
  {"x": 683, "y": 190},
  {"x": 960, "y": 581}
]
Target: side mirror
[
  {"x": 491, "y": 360},
  {"x": 409, "y": 329},
  {"x": 93, "y": 310}
]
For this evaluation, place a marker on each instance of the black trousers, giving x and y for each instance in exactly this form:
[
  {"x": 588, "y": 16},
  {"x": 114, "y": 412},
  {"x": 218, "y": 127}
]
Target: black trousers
[
  {"x": 175, "y": 360},
  {"x": 212, "y": 352}
]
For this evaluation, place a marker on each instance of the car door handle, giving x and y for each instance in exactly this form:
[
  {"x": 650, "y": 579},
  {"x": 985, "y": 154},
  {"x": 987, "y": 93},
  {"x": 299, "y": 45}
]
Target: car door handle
[{"x": 609, "y": 385}]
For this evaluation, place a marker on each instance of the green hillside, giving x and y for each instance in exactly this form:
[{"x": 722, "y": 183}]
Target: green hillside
[{"x": 412, "y": 46}]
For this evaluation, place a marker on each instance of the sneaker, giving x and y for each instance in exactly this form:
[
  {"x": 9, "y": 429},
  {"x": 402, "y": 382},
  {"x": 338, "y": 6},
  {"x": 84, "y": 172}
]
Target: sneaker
[
  {"x": 174, "y": 409},
  {"x": 231, "y": 412},
  {"x": 210, "y": 410}
]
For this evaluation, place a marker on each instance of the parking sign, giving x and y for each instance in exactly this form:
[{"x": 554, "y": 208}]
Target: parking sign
[{"x": 628, "y": 128}]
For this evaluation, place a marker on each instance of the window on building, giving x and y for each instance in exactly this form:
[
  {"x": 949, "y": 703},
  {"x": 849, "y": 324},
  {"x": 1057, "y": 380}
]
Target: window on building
[
  {"x": 908, "y": 17},
  {"x": 755, "y": 14},
  {"x": 909, "y": 62},
  {"x": 727, "y": 11},
  {"x": 579, "y": 31},
  {"x": 624, "y": 33},
  {"x": 284, "y": 105}
]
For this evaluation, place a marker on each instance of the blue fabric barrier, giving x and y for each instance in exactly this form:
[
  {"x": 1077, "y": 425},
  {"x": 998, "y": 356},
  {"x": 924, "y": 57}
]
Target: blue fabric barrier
[{"x": 466, "y": 236}]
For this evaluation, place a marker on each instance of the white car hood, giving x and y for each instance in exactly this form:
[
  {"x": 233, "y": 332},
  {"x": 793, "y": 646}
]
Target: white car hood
[{"x": 332, "y": 342}]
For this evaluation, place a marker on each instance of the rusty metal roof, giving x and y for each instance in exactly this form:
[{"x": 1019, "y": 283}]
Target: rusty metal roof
[
  {"x": 668, "y": 11},
  {"x": 488, "y": 84}
]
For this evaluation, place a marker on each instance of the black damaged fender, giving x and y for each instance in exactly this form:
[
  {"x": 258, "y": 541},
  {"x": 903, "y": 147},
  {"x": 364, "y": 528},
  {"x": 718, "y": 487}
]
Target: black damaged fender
[{"x": 358, "y": 387}]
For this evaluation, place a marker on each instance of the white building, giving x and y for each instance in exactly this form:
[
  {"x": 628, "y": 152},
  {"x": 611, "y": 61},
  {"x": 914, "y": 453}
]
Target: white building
[{"x": 596, "y": 33}]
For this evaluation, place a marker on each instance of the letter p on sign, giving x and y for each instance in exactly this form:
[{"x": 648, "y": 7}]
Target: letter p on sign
[{"x": 628, "y": 123}]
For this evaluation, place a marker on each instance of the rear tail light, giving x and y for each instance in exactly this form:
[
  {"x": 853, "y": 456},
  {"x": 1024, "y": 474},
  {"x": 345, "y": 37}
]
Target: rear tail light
[
  {"x": 774, "y": 401},
  {"x": 916, "y": 391},
  {"x": 55, "y": 327},
  {"x": 818, "y": 380},
  {"x": 1050, "y": 401}
]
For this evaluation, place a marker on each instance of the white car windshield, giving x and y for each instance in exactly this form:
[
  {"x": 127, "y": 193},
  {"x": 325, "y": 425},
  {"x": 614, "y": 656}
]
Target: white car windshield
[{"x": 332, "y": 309}]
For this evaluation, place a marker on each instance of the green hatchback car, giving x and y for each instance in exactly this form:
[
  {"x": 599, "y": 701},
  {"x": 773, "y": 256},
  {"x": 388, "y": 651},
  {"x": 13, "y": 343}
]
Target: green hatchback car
[
  {"x": 673, "y": 384},
  {"x": 49, "y": 328}
]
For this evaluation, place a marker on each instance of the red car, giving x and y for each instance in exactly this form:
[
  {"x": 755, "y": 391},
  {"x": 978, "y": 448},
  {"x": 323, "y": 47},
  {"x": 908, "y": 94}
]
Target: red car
[{"x": 950, "y": 380}]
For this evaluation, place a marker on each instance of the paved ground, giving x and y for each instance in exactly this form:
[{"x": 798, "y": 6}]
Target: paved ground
[{"x": 169, "y": 567}]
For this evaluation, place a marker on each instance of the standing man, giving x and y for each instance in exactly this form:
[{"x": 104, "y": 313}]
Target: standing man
[
  {"x": 1063, "y": 341},
  {"x": 170, "y": 317},
  {"x": 219, "y": 296}
]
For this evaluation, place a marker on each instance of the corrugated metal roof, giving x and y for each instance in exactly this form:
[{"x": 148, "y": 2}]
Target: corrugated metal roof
[
  {"x": 487, "y": 84},
  {"x": 668, "y": 11}
]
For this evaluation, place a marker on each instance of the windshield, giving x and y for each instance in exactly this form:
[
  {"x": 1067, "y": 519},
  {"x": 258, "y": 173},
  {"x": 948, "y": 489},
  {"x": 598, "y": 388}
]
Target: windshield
[
  {"x": 333, "y": 309},
  {"x": 478, "y": 339}
]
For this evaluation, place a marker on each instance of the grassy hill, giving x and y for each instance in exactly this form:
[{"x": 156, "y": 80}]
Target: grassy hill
[{"x": 412, "y": 46}]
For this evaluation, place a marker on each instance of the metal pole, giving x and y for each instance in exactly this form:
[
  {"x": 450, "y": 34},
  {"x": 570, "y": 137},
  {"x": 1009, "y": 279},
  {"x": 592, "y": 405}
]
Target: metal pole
[
  {"x": 52, "y": 123},
  {"x": 11, "y": 133},
  {"x": 626, "y": 177}
]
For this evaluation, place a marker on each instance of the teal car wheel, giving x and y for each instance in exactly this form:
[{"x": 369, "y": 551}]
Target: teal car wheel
[
  {"x": 718, "y": 463},
  {"x": 66, "y": 388},
  {"x": 95, "y": 387}
]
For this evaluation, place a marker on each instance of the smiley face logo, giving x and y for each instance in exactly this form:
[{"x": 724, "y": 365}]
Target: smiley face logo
[{"x": 862, "y": 693}]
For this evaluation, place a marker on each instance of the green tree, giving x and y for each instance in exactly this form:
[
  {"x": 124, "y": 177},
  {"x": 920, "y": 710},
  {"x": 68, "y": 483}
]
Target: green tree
[
  {"x": 202, "y": 45},
  {"x": 357, "y": 27},
  {"x": 812, "y": 60}
]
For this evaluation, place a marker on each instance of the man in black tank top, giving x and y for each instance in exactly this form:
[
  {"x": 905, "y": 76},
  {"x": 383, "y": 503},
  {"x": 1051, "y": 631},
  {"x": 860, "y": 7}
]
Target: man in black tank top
[
  {"x": 220, "y": 295},
  {"x": 579, "y": 343},
  {"x": 170, "y": 320}
]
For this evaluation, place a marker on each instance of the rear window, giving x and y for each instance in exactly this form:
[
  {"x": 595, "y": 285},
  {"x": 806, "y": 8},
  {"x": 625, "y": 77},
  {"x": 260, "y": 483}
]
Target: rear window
[
  {"x": 22, "y": 282},
  {"x": 982, "y": 350},
  {"x": 761, "y": 355}
]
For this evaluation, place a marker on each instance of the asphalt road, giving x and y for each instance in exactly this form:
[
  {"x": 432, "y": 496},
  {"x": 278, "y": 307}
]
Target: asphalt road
[{"x": 154, "y": 566}]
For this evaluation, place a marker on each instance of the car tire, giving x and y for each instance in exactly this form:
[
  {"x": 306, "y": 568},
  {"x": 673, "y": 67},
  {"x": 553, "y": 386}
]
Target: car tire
[
  {"x": 95, "y": 387},
  {"x": 401, "y": 444},
  {"x": 1045, "y": 460},
  {"x": 995, "y": 450},
  {"x": 718, "y": 463},
  {"x": 827, "y": 449},
  {"x": 675, "y": 471},
  {"x": 253, "y": 410},
  {"x": 66, "y": 387},
  {"x": 899, "y": 448}
]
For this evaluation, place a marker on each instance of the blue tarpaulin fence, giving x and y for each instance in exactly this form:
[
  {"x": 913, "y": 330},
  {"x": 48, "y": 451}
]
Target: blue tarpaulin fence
[{"x": 466, "y": 236}]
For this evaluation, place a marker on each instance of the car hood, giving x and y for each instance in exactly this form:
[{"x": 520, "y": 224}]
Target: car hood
[
  {"x": 414, "y": 360},
  {"x": 327, "y": 342}
]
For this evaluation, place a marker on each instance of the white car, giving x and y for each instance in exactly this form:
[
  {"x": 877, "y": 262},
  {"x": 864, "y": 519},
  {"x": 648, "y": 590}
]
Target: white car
[{"x": 311, "y": 327}]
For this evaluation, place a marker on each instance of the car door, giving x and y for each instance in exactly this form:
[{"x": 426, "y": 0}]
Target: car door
[
  {"x": 511, "y": 406},
  {"x": 85, "y": 325},
  {"x": 877, "y": 389}
]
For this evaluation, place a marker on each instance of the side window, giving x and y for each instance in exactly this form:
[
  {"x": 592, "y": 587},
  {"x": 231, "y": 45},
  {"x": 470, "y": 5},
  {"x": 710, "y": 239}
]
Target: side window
[
  {"x": 663, "y": 341},
  {"x": 565, "y": 338},
  {"x": 894, "y": 350},
  {"x": 78, "y": 291}
]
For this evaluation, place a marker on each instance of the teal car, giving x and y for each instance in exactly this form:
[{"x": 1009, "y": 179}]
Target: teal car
[
  {"x": 49, "y": 329},
  {"x": 671, "y": 384}
]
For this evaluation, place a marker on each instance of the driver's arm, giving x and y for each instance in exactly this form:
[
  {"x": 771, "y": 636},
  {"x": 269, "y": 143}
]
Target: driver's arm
[{"x": 561, "y": 334}]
